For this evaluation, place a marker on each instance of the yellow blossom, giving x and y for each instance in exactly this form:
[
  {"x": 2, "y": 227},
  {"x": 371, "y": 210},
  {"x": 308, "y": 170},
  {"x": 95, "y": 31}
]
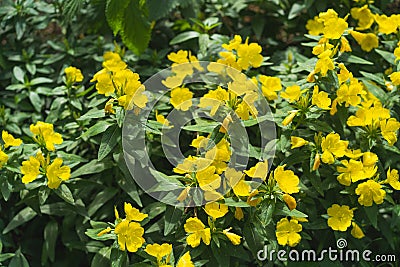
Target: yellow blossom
[
  {"x": 344, "y": 45},
  {"x": 55, "y": 173},
  {"x": 45, "y": 135},
  {"x": 108, "y": 108},
  {"x": 9, "y": 140},
  {"x": 130, "y": 235},
  {"x": 297, "y": 142},
  {"x": 181, "y": 98},
  {"x": 324, "y": 63},
  {"x": 349, "y": 93},
  {"x": 292, "y": 93},
  {"x": 214, "y": 99},
  {"x": 287, "y": 232},
  {"x": 249, "y": 55},
  {"x": 393, "y": 178},
  {"x": 3, "y": 158},
  {"x": 388, "y": 130},
  {"x": 260, "y": 170},
  {"x": 364, "y": 16},
  {"x": 334, "y": 28},
  {"x": 185, "y": 261},
  {"x": 133, "y": 214},
  {"x": 370, "y": 191},
  {"x": 239, "y": 213},
  {"x": 270, "y": 85},
  {"x": 332, "y": 147},
  {"x": 73, "y": 75},
  {"x": 30, "y": 169},
  {"x": 344, "y": 75},
  {"x": 340, "y": 217},
  {"x": 197, "y": 231},
  {"x": 314, "y": 26},
  {"x": 352, "y": 171},
  {"x": 395, "y": 78},
  {"x": 234, "y": 238},
  {"x": 216, "y": 210},
  {"x": 320, "y": 99},
  {"x": 161, "y": 119},
  {"x": 290, "y": 117},
  {"x": 159, "y": 251},
  {"x": 207, "y": 178},
  {"x": 356, "y": 231},
  {"x": 233, "y": 44},
  {"x": 287, "y": 181},
  {"x": 367, "y": 41},
  {"x": 387, "y": 25},
  {"x": 290, "y": 201}
]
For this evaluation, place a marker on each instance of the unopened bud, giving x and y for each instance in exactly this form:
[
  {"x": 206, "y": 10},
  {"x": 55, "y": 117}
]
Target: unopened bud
[
  {"x": 290, "y": 201},
  {"x": 317, "y": 162}
]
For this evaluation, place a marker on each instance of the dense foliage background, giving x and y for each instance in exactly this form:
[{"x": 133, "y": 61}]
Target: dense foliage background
[{"x": 43, "y": 226}]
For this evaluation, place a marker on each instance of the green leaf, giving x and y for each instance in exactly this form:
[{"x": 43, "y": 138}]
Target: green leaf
[
  {"x": 101, "y": 199},
  {"x": 36, "y": 101},
  {"x": 296, "y": 10},
  {"x": 6, "y": 256},
  {"x": 64, "y": 193},
  {"x": 102, "y": 258},
  {"x": 118, "y": 258},
  {"x": 266, "y": 212},
  {"x": 92, "y": 114},
  {"x": 22, "y": 217},
  {"x": 18, "y": 260},
  {"x": 135, "y": 31},
  {"x": 40, "y": 80},
  {"x": 109, "y": 141},
  {"x": 356, "y": 60},
  {"x": 184, "y": 36},
  {"x": 19, "y": 74},
  {"x": 372, "y": 214},
  {"x": 92, "y": 167},
  {"x": 96, "y": 129},
  {"x": 232, "y": 203},
  {"x": 388, "y": 56},
  {"x": 115, "y": 10},
  {"x": 50, "y": 238},
  {"x": 172, "y": 218}
]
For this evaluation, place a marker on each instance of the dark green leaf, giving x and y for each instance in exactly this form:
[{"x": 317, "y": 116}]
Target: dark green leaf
[
  {"x": 109, "y": 141},
  {"x": 172, "y": 217},
  {"x": 22, "y": 217},
  {"x": 184, "y": 36}
]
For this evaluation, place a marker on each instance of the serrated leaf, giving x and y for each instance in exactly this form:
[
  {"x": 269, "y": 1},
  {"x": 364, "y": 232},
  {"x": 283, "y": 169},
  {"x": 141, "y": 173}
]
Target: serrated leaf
[{"x": 115, "y": 10}]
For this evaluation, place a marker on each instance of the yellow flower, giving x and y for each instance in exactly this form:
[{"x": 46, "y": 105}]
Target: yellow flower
[
  {"x": 297, "y": 142},
  {"x": 181, "y": 98},
  {"x": 161, "y": 119},
  {"x": 287, "y": 181},
  {"x": 239, "y": 213},
  {"x": 185, "y": 261},
  {"x": 159, "y": 251},
  {"x": 133, "y": 214},
  {"x": 367, "y": 41},
  {"x": 216, "y": 210},
  {"x": 197, "y": 231},
  {"x": 55, "y": 173},
  {"x": 287, "y": 232},
  {"x": 207, "y": 178},
  {"x": 344, "y": 45},
  {"x": 370, "y": 191},
  {"x": 364, "y": 16},
  {"x": 104, "y": 83},
  {"x": 292, "y": 93},
  {"x": 332, "y": 147},
  {"x": 314, "y": 26},
  {"x": 234, "y": 238},
  {"x": 130, "y": 235},
  {"x": 387, "y": 25},
  {"x": 260, "y": 170},
  {"x": 324, "y": 63},
  {"x": 249, "y": 55},
  {"x": 289, "y": 118},
  {"x": 108, "y": 108},
  {"x": 252, "y": 200},
  {"x": 334, "y": 28},
  {"x": 393, "y": 178},
  {"x": 369, "y": 116},
  {"x": 395, "y": 78},
  {"x": 113, "y": 62},
  {"x": 179, "y": 57},
  {"x": 214, "y": 99},
  {"x": 344, "y": 75},
  {"x": 290, "y": 201},
  {"x": 352, "y": 171},
  {"x": 73, "y": 75},
  {"x": 9, "y": 140},
  {"x": 349, "y": 93},
  {"x": 320, "y": 99},
  {"x": 3, "y": 158},
  {"x": 388, "y": 130},
  {"x": 233, "y": 44},
  {"x": 340, "y": 217},
  {"x": 356, "y": 231},
  {"x": 45, "y": 135},
  {"x": 269, "y": 86},
  {"x": 105, "y": 231},
  {"x": 30, "y": 169}
]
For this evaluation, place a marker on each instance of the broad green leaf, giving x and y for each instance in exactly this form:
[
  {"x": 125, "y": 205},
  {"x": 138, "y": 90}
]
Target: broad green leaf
[
  {"x": 184, "y": 36},
  {"x": 6, "y": 256},
  {"x": 101, "y": 198},
  {"x": 40, "y": 80},
  {"x": 22, "y": 217},
  {"x": 96, "y": 129},
  {"x": 18, "y": 260},
  {"x": 115, "y": 10},
  {"x": 36, "y": 101},
  {"x": 19, "y": 74},
  {"x": 172, "y": 218},
  {"x": 63, "y": 192},
  {"x": 92, "y": 114},
  {"x": 92, "y": 167},
  {"x": 109, "y": 141},
  {"x": 233, "y": 203},
  {"x": 388, "y": 56},
  {"x": 356, "y": 60},
  {"x": 102, "y": 258},
  {"x": 372, "y": 214},
  {"x": 50, "y": 238},
  {"x": 296, "y": 10}
]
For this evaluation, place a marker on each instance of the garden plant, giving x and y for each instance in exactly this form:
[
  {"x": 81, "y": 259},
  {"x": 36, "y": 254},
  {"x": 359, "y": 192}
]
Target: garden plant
[{"x": 199, "y": 133}]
